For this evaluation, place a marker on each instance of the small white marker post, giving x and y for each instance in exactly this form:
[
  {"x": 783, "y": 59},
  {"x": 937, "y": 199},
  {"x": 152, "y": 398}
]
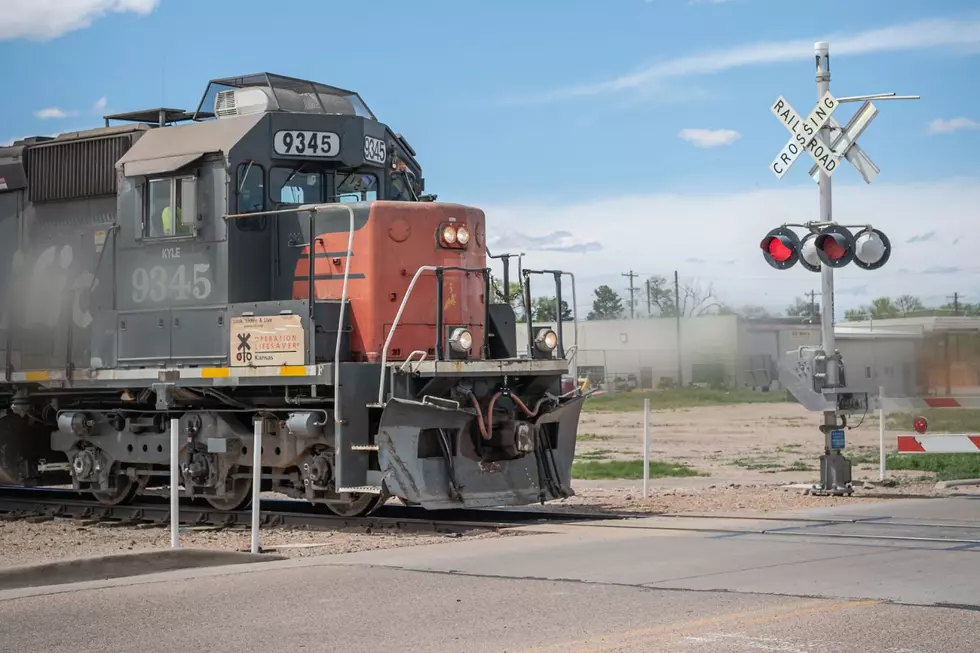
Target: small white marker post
[
  {"x": 646, "y": 445},
  {"x": 881, "y": 433},
  {"x": 174, "y": 484},
  {"x": 256, "y": 481}
]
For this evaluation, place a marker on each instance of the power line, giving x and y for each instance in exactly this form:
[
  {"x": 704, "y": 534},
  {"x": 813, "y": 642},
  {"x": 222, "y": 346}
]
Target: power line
[{"x": 631, "y": 276}]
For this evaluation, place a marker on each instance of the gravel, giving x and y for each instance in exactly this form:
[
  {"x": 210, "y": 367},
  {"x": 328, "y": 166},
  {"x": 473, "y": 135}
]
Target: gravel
[{"x": 22, "y": 542}]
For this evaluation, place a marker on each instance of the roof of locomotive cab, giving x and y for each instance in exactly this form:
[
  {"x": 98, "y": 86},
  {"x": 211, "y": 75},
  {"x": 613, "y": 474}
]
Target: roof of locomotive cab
[{"x": 280, "y": 85}]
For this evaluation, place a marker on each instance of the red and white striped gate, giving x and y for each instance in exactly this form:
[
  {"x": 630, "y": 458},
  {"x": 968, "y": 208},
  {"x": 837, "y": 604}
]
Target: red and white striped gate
[{"x": 920, "y": 442}]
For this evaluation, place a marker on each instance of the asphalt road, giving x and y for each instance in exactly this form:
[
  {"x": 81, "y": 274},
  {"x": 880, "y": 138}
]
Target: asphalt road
[{"x": 586, "y": 588}]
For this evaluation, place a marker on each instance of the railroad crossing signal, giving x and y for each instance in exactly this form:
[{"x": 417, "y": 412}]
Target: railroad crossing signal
[
  {"x": 832, "y": 245},
  {"x": 803, "y": 135}
]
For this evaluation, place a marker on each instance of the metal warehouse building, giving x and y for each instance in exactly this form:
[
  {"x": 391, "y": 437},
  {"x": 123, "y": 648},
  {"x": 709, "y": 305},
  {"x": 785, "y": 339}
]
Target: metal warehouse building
[
  {"x": 718, "y": 350},
  {"x": 907, "y": 356}
]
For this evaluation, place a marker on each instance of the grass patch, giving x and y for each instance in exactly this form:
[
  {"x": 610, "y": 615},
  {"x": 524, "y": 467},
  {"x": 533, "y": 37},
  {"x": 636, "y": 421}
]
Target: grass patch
[
  {"x": 598, "y": 454},
  {"x": 863, "y": 456},
  {"x": 788, "y": 448},
  {"x": 756, "y": 464},
  {"x": 941, "y": 420},
  {"x": 587, "y": 437},
  {"x": 946, "y": 466},
  {"x": 629, "y": 469},
  {"x": 679, "y": 398},
  {"x": 798, "y": 466}
]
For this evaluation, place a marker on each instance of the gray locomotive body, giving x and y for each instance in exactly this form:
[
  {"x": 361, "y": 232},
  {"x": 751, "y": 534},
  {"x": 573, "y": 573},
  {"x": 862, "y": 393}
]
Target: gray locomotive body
[{"x": 256, "y": 265}]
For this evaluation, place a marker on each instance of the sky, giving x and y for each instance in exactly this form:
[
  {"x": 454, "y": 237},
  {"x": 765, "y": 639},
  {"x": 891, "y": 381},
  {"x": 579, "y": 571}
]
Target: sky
[{"x": 602, "y": 138}]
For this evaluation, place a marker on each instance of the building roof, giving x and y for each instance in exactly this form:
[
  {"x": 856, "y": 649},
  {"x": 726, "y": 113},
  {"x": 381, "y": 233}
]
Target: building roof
[{"x": 926, "y": 324}]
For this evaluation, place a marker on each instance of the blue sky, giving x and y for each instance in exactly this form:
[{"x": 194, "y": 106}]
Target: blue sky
[{"x": 628, "y": 134}]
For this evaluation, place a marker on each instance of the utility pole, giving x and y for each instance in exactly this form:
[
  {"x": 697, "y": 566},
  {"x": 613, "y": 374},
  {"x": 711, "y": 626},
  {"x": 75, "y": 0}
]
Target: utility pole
[
  {"x": 956, "y": 303},
  {"x": 649, "y": 302},
  {"x": 631, "y": 276},
  {"x": 813, "y": 303},
  {"x": 677, "y": 321}
]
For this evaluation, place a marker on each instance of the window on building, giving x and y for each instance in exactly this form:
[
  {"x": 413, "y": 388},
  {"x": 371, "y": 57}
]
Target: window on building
[
  {"x": 294, "y": 186},
  {"x": 171, "y": 207}
]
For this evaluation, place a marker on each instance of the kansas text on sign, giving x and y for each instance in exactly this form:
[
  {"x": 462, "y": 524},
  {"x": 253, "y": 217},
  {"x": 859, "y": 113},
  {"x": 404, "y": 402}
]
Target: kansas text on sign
[{"x": 267, "y": 340}]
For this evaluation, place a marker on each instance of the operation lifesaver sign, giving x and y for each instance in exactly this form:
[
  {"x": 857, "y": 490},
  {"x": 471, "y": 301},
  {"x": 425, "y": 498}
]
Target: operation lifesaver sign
[{"x": 267, "y": 340}]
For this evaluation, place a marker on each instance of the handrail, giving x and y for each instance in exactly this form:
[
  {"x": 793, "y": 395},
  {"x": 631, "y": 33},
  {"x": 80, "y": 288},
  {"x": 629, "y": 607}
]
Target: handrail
[
  {"x": 394, "y": 325},
  {"x": 313, "y": 210},
  {"x": 558, "y": 274},
  {"x": 438, "y": 269}
]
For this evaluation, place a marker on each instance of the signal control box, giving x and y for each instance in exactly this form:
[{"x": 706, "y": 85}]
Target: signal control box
[{"x": 803, "y": 372}]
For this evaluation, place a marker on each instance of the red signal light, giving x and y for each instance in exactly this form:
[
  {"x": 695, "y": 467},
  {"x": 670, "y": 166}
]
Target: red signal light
[
  {"x": 920, "y": 424},
  {"x": 835, "y": 246},
  {"x": 781, "y": 247}
]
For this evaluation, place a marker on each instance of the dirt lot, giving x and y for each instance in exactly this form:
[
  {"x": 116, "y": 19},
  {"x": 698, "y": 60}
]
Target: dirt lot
[{"x": 743, "y": 443}]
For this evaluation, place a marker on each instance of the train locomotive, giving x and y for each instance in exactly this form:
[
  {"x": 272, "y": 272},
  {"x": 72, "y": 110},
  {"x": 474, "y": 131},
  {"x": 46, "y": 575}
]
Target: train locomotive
[{"x": 267, "y": 266}]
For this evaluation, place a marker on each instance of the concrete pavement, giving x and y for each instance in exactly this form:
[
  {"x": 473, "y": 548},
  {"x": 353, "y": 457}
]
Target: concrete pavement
[{"x": 583, "y": 588}]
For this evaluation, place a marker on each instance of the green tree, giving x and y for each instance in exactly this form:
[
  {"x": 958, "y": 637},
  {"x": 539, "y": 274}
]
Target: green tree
[
  {"x": 908, "y": 304},
  {"x": 659, "y": 296},
  {"x": 802, "y": 308},
  {"x": 543, "y": 310},
  {"x": 607, "y": 305},
  {"x": 516, "y": 299}
]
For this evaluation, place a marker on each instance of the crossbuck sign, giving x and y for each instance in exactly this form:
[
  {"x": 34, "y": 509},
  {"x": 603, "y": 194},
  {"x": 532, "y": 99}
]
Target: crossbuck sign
[{"x": 804, "y": 135}]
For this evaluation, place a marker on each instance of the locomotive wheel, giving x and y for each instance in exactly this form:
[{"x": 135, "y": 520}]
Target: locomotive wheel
[
  {"x": 360, "y": 505},
  {"x": 125, "y": 491},
  {"x": 240, "y": 497}
]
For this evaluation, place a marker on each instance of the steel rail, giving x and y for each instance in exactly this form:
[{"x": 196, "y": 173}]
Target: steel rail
[{"x": 46, "y": 504}]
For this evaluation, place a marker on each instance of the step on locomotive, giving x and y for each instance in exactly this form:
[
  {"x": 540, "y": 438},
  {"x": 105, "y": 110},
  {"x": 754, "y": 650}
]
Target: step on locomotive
[{"x": 269, "y": 258}]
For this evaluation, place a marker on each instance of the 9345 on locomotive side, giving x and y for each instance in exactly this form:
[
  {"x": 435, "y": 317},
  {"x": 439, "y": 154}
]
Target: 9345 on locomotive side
[{"x": 272, "y": 257}]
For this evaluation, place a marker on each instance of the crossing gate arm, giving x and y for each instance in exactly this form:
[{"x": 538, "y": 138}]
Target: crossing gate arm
[{"x": 958, "y": 443}]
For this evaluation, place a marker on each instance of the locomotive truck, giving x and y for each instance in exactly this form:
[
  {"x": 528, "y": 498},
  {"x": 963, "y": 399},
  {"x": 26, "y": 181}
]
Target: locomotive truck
[{"x": 269, "y": 258}]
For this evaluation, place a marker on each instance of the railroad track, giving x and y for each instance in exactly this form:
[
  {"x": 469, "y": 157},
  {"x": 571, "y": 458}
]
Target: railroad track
[{"x": 45, "y": 504}]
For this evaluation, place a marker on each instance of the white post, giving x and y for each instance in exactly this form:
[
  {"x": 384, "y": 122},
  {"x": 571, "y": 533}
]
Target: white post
[
  {"x": 174, "y": 484},
  {"x": 646, "y": 445},
  {"x": 881, "y": 433},
  {"x": 256, "y": 481}
]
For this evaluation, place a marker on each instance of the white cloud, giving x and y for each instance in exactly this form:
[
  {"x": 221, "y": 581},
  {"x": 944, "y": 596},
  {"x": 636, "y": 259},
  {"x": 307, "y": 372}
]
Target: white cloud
[
  {"x": 660, "y": 233},
  {"x": 944, "y": 126},
  {"x": 710, "y": 137},
  {"x": 100, "y": 104},
  {"x": 43, "y": 20},
  {"x": 53, "y": 112},
  {"x": 918, "y": 35}
]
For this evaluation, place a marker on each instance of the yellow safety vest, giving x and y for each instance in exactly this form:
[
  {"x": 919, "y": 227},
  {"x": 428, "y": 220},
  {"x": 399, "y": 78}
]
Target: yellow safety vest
[{"x": 166, "y": 219}]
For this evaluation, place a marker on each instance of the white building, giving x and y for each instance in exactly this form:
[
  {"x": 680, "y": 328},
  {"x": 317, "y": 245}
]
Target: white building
[
  {"x": 717, "y": 349},
  {"x": 906, "y": 356}
]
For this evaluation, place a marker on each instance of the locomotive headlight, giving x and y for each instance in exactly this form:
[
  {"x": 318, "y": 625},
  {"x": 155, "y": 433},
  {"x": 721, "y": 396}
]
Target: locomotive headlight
[
  {"x": 449, "y": 234},
  {"x": 463, "y": 235},
  {"x": 546, "y": 340},
  {"x": 461, "y": 340}
]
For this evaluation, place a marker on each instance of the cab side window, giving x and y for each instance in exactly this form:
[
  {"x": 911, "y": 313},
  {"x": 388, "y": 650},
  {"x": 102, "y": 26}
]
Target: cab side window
[
  {"x": 251, "y": 188},
  {"x": 170, "y": 207},
  {"x": 250, "y": 196}
]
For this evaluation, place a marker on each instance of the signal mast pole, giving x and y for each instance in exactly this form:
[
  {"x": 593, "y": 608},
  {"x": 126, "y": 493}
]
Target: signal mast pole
[{"x": 822, "y": 51}]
